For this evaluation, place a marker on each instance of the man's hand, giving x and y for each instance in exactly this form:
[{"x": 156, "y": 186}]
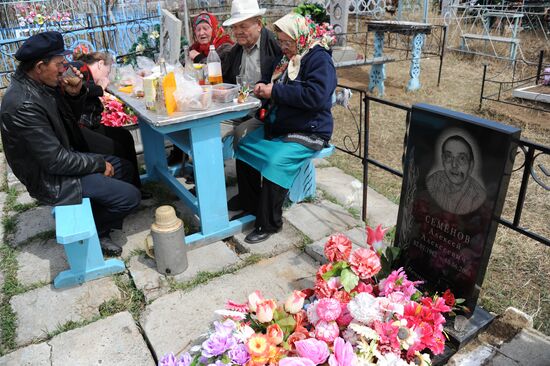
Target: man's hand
[
  {"x": 262, "y": 90},
  {"x": 72, "y": 85},
  {"x": 109, "y": 170}
]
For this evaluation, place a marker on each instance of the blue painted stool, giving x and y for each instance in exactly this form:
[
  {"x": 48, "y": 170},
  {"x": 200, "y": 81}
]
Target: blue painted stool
[
  {"x": 75, "y": 230},
  {"x": 304, "y": 184}
]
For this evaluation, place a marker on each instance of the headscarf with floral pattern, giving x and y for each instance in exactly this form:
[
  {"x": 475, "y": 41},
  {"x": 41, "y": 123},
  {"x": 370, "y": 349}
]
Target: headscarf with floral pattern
[
  {"x": 218, "y": 34},
  {"x": 307, "y": 35}
]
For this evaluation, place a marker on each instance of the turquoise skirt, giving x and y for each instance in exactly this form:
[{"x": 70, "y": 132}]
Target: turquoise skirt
[{"x": 277, "y": 160}]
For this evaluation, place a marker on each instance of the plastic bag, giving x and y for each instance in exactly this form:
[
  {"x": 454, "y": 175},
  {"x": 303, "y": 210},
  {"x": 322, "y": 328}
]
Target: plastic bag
[
  {"x": 127, "y": 75},
  {"x": 189, "y": 94}
]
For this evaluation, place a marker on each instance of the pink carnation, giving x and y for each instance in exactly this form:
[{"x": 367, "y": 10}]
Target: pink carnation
[
  {"x": 338, "y": 248},
  {"x": 365, "y": 263},
  {"x": 328, "y": 309},
  {"x": 327, "y": 331}
]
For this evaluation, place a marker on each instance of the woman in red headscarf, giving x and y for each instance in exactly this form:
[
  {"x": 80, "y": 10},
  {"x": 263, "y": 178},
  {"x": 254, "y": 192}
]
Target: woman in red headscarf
[{"x": 206, "y": 32}]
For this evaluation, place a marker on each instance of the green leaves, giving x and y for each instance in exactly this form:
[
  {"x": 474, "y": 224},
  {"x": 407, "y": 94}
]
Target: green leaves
[
  {"x": 335, "y": 271},
  {"x": 348, "y": 279},
  {"x": 317, "y": 12}
]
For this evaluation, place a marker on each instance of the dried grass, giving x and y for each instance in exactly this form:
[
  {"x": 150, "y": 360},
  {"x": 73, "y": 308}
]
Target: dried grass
[{"x": 519, "y": 269}]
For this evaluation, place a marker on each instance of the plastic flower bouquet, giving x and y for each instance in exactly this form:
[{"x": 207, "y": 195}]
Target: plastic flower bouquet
[
  {"x": 39, "y": 14},
  {"x": 116, "y": 114},
  {"x": 350, "y": 317}
]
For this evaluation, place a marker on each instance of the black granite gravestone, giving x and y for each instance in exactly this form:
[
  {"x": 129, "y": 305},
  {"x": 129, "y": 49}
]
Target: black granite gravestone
[{"x": 456, "y": 175}]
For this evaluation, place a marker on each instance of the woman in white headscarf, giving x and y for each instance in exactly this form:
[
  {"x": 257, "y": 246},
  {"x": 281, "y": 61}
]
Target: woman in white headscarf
[{"x": 297, "y": 125}]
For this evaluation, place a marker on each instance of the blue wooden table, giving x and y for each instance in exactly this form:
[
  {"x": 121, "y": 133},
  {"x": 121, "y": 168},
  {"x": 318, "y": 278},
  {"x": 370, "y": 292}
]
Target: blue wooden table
[{"x": 198, "y": 133}]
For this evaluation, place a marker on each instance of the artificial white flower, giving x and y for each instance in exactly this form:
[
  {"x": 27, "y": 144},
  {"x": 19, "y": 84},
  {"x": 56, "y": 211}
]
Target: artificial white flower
[
  {"x": 364, "y": 331},
  {"x": 365, "y": 308},
  {"x": 243, "y": 333},
  {"x": 235, "y": 315},
  {"x": 140, "y": 48},
  {"x": 391, "y": 359},
  {"x": 154, "y": 35}
]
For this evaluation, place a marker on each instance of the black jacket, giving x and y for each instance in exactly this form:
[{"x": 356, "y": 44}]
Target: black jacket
[
  {"x": 269, "y": 53},
  {"x": 91, "y": 111},
  {"x": 42, "y": 141}
]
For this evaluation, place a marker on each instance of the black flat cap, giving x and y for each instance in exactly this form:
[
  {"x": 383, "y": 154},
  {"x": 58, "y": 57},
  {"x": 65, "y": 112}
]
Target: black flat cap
[{"x": 42, "y": 45}]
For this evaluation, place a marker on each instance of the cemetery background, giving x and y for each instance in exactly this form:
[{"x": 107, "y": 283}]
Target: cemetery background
[{"x": 519, "y": 268}]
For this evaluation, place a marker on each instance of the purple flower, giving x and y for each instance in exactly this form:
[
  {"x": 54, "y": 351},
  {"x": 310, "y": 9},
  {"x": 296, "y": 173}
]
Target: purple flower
[
  {"x": 217, "y": 344},
  {"x": 296, "y": 361},
  {"x": 239, "y": 354},
  {"x": 217, "y": 363},
  {"x": 185, "y": 360},
  {"x": 168, "y": 360},
  {"x": 226, "y": 328}
]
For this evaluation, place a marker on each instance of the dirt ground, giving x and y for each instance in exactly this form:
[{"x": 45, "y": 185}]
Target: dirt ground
[{"x": 519, "y": 270}]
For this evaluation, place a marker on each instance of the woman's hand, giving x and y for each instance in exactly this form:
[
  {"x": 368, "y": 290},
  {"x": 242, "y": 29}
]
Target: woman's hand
[
  {"x": 103, "y": 83},
  {"x": 262, "y": 90},
  {"x": 193, "y": 54}
]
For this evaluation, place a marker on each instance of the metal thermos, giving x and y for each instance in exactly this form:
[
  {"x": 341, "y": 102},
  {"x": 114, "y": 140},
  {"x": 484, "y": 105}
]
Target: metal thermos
[{"x": 169, "y": 241}]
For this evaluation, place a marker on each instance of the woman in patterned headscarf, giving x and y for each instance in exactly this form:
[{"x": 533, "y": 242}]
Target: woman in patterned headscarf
[
  {"x": 206, "y": 32},
  {"x": 298, "y": 124}
]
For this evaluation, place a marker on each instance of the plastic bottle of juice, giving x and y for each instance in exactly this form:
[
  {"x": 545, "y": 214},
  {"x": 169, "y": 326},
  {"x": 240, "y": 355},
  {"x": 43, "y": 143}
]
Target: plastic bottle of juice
[{"x": 214, "y": 66}]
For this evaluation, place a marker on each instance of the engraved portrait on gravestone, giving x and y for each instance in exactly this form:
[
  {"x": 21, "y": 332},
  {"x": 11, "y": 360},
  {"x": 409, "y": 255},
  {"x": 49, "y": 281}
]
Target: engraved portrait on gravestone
[{"x": 452, "y": 185}]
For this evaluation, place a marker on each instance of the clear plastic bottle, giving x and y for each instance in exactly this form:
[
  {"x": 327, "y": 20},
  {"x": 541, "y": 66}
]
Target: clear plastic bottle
[
  {"x": 160, "y": 101},
  {"x": 214, "y": 66},
  {"x": 188, "y": 66}
]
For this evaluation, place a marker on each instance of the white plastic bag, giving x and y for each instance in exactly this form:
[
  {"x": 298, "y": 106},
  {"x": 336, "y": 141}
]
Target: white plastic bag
[{"x": 189, "y": 94}]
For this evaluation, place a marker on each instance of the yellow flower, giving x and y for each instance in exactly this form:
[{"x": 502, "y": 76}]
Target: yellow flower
[{"x": 258, "y": 346}]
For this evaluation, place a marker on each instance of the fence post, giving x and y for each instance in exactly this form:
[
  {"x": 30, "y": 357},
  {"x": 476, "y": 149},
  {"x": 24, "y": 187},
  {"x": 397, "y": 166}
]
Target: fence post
[
  {"x": 365, "y": 157},
  {"x": 482, "y": 85}
]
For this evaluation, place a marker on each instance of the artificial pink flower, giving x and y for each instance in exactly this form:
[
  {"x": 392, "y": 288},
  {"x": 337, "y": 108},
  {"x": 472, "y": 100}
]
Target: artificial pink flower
[
  {"x": 342, "y": 296},
  {"x": 253, "y": 300},
  {"x": 275, "y": 334},
  {"x": 375, "y": 239},
  {"x": 322, "y": 289},
  {"x": 295, "y": 302},
  {"x": 296, "y": 361},
  {"x": 327, "y": 331},
  {"x": 343, "y": 354},
  {"x": 322, "y": 270},
  {"x": 365, "y": 263},
  {"x": 337, "y": 248},
  {"x": 387, "y": 333},
  {"x": 234, "y": 306},
  {"x": 312, "y": 315},
  {"x": 334, "y": 283},
  {"x": 328, "y": 309},
  {"x": 264, "y": 310},
  {"x": 345, "y": 317},
  {"x": 363, "y": 287},
  {"x": 397, "y": 281},
  {"x": 316, "y": 350}
]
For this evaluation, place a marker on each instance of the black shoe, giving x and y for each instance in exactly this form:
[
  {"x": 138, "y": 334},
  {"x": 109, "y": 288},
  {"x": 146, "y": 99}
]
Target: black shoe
[
  {"x": 109, "y": 248},
  {"x": 257, "y": 236},
  {"x": 234, "y": 204},
  {"x": 146, "y": 195}
]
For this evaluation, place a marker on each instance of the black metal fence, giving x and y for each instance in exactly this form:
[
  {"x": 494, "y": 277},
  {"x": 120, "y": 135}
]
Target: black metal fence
[{"x": 530, "y": 163}]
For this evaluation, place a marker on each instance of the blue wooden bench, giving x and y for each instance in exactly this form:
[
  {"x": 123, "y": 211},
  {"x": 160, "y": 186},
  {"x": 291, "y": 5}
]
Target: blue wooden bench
[
  {"x": 75, "y": 230},
  {"x": 304, "y": 184}
]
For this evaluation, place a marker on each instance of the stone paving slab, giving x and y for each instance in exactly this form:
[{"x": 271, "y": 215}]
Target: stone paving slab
[
  {"x": 44, "y": 309},
  {"x": 33, "y": 222},
  {"x": 348, "y": 191},
  {"x": 40, "y": 261},
  {"x": 210, "y": 258},
  {"x": 135, "y": 229},
  {"x": 316, "y": 250},
  {"x": 13, "y": 182},
  {"x": 528, "y": 347},
  {"x": 173, "y": 322},
  {"x": 320, "y": 219},
  {"x": 33, "y": 355},
  {"x": 115, "y": 340},
  {"x": 25, "y": 198},
  {"x": 278, "y": 243}
]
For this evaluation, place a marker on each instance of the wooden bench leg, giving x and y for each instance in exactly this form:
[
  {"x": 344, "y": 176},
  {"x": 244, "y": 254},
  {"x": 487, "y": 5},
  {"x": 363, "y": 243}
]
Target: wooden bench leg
[{"x": 86, "y": 263}]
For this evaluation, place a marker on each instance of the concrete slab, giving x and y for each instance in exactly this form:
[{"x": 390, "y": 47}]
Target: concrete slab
[
  {"x": 44, "y": 309},
  {"x": 320, "y": 219},
  {"x": 25, "y": 198},
  {"x": 528, "y": 347},
  {"x": 3, "y": 197},
  {"x": 348, "y": 191},
  {"x": 13, "y": 182},
  {"x": 473, "y": 357},
  {"x": 134, "y": 231},
  {"x": 278, "y": 243},
  {"x": 40, "y": 261},
  {"x": 33, "y": 222},
  {"x": 320, "y": 163},
  {"x": 33, "y": 355},
  {"x": 316, "y": 250},
  {"x": 115, "y": 340},
  {"x": 210, "y": 258},
  {"x": 175, "y": 321}
]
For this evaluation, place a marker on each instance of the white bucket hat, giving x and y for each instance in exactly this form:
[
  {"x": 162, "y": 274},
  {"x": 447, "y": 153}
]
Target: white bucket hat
[{"x": 242, "y": 10}]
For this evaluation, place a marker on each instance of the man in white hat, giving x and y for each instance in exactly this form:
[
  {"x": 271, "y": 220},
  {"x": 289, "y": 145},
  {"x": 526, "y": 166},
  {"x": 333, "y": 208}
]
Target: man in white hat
[
  {"x": 253, "y": 57},
  {"x": 256, "y": 50}
]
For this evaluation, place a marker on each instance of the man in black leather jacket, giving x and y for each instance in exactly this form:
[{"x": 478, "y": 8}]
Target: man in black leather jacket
[{"x": 45, "y": 148}]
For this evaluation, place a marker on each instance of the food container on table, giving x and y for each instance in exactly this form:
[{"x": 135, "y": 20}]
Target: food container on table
[
  {"x": 198, "y": 102},
  {"x": 224, "y": 93}
]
